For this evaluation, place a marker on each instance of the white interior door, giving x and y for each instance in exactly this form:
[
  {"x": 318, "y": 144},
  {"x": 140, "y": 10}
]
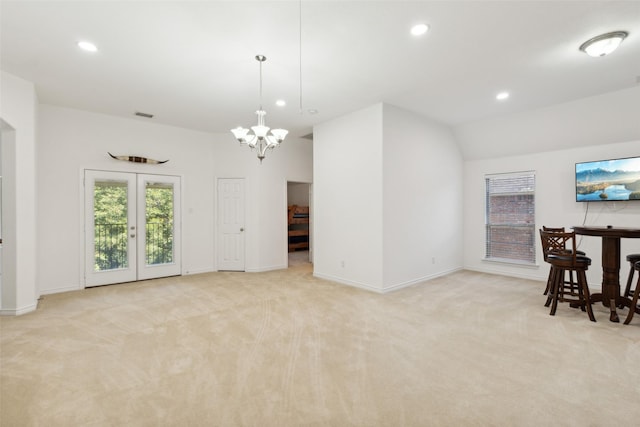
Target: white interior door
[
  {"x": 231, "y": 224},
  {"x": 132, "y": 227}
]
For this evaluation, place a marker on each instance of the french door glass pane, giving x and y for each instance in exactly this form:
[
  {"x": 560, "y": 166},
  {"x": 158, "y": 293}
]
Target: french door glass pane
[
  {"x": 110, "y": 221},
  {"x": 159, "y": 223}
]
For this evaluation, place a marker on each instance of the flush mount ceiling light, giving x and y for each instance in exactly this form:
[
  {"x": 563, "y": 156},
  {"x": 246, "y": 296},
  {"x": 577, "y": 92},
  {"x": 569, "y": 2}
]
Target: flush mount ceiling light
[
  {"x": 502, "y": 96},
  {"x": 603, "y": 44},
  {"x": 88, "y": 46},
  {"x": 261, "y": 137},
  {"x": 420, "y": 29}
]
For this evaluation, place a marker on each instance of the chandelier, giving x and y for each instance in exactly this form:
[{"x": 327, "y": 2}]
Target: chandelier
[{"x": 260, "y": 136}]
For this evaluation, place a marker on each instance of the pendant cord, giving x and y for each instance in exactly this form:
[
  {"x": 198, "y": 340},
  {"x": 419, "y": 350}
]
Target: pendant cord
[{"x": 300, "y": 49}]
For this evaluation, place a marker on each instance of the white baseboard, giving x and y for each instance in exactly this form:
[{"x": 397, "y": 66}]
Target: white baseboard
[
  {"x": 268, "y": 268},
  {"x": 420, "y": 280},
  {"x": 348, "y": 282},
  {"x": 60, "y": 290},
  {"x": 508, "y": 274},
  {"x": 19, "y": 311},
  {"x": 198, "y": 271},
  {"x": 387, "y": 289}
]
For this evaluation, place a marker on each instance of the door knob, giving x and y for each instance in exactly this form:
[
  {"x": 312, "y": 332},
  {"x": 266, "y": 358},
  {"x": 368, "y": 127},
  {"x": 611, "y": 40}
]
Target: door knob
[{"x": 241, "y": 229}]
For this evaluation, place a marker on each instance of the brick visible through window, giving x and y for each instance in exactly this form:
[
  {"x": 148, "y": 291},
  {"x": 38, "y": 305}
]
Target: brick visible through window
[{"x": 510, "y": 217}]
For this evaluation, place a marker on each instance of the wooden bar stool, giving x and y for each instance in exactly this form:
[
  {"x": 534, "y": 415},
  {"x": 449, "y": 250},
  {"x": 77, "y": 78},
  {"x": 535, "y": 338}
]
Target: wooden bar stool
[
  {"x": 633, "y": 259},
  {"x": 552, "y": 245},
  {"x": 566, "y": 259},
  {"x": 636, "y": 294}
]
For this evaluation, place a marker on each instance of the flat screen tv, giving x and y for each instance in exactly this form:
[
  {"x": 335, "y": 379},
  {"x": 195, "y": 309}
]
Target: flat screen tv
[{"x": 608, "y": 180}]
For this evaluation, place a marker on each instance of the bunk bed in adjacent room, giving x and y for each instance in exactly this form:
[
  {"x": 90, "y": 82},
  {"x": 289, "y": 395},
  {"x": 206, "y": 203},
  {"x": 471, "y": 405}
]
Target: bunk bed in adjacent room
[{"x": 298, "y": 220}]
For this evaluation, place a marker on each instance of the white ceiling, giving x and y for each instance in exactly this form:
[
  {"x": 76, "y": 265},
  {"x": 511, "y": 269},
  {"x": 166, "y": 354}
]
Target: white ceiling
[{"x": 192, "y": 65}]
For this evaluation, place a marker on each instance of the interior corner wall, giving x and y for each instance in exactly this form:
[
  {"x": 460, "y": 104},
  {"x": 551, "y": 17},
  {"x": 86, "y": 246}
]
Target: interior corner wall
[
  {"x": 73, "y": 140},
  {"x": 347, "y": 199},
  {"x": 423, "y": 199},
  {"x": 555, "y": 206},
  {"x": 18, "y": 109}
]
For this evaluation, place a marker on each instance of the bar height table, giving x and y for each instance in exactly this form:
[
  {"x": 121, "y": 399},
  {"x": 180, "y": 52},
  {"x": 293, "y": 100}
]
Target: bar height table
[{"x": 610, "y": 295}]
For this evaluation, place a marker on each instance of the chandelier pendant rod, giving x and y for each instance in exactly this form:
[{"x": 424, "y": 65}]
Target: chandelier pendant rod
[{"x": 261, "y": 59}]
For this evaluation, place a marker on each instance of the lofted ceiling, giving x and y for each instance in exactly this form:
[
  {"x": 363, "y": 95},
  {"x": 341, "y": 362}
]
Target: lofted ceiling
[{"x": 191, "y": 63}]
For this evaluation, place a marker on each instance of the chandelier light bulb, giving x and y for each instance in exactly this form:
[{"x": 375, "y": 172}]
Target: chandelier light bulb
[
  {"x": 240, "y": 132},
  {"x": 260, "y": 131},
  {"x": 280, "y": 134}
]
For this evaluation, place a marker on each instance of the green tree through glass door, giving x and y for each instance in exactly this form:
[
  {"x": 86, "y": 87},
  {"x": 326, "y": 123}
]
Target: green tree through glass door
[
  {"x": 110, "y": 222},
  {"x": 159, "y": 223}
]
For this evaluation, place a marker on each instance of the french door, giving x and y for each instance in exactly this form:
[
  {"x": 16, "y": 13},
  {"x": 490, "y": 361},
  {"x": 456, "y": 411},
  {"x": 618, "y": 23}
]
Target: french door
[{"x": 132, "y": 227}]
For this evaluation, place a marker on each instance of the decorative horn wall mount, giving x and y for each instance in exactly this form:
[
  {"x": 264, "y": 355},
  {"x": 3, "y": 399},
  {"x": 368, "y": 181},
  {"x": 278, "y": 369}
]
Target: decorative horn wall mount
[{"x": 137, "y": 159}]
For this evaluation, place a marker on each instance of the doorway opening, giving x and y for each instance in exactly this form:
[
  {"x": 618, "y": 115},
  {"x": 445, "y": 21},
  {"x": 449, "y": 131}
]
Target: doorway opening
[{"x": 299, "y": 221}]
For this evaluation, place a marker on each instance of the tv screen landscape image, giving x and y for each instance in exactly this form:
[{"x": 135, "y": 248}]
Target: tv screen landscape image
[{"x": 608, "y": 180}]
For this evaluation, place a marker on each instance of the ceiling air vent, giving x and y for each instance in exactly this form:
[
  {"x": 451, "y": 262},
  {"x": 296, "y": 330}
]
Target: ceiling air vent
[{"x": 146, "y": 115}]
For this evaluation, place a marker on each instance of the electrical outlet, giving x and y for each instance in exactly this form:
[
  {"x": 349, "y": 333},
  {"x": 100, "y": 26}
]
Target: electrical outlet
[
  {"x": 342, "y": 264},
  {"x": 433, "y": 260}
]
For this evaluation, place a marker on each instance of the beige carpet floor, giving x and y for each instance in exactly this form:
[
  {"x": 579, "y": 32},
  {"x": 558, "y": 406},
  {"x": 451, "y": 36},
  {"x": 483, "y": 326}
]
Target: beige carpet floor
[{"x": 286, "y": 349}]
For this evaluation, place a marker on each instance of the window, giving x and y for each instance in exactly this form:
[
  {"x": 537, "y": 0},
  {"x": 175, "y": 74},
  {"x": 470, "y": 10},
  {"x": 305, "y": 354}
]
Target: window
[{"x": 510, "y": 217}]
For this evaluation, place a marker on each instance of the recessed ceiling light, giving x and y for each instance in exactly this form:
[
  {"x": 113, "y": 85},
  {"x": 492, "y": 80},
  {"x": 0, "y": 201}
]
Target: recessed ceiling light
[
  {"x": 281, "y": 103},
  {"x": 603, "y": 44},
  {"x": 420, "y": 29},
  {"x": 502, "y": 96},
  {"x": 88, "y": 46}
]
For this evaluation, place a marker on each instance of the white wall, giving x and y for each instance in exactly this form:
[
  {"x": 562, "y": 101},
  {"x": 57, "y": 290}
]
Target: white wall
[
  {"x": 422, "y": 194},
  {"x": 604, "y": 119},
  {"x": 387, "y": 199},
  {"x": 298, "y": 194},
  {"x": 347, "y": 199},
  {"x": 18, "y": 111},
  {"x": 555, "y": 206},
  {"x": 74, "y": 140}
]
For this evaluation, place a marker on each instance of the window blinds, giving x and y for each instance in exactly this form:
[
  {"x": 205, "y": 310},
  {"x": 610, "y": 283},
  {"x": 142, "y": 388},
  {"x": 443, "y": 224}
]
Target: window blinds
[{"x": 510, "y": 217}]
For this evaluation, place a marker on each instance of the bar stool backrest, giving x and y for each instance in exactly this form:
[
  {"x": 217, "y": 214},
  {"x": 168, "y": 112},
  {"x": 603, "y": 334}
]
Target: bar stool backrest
[{"x": 559, "y": 243}]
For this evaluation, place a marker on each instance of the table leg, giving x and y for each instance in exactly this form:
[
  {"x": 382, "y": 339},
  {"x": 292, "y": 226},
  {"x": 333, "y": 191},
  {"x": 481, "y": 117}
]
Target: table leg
[
  {"x": 611, "y": 274},
  {"x": 613, "y": 316}
]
